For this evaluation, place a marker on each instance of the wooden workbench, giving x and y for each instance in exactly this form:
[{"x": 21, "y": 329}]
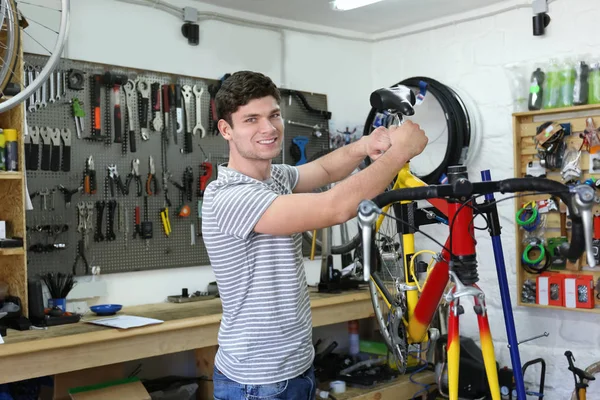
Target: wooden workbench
[{"x": 80, "y": 352}]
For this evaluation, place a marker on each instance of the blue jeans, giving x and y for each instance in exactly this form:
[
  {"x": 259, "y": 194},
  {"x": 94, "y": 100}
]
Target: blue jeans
[{"x": 302, "y": 387}]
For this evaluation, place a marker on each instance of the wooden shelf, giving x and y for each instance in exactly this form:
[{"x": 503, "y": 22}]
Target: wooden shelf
[
  {"x": 16, "y": 251},
  {"x": 586, "y": 107},
  {"x": 525, "y": 127},
  {"x": 586, "y": 310},
  {"x": 11, "y": 175}
]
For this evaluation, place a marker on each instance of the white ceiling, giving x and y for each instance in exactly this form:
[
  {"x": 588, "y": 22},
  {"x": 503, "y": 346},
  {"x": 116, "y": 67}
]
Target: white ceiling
[{"x": 376, "y": 18}]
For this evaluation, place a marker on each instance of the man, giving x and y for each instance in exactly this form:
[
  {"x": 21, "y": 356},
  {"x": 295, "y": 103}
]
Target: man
[{"x": 253, "y": 217}]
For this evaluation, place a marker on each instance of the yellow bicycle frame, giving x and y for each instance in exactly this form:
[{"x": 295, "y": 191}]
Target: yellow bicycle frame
[{"x": 417, "y": 326}]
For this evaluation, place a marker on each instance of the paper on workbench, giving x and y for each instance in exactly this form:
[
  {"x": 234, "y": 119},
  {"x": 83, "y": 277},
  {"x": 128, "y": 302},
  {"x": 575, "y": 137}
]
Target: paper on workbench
[{"x": 126, "y": 321}]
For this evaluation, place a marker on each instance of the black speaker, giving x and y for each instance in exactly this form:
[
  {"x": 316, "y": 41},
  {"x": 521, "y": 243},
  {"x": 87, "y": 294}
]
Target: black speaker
[{"x": 36, "y": 301}]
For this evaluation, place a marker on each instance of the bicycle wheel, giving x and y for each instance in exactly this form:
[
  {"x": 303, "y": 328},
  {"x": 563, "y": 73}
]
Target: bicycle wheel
[
  {"x": 10, "y": 40},
  {"x": 38, "y": 39}
]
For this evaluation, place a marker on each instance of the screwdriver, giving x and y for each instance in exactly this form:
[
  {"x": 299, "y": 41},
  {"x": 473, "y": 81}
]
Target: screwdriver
[{"x": 146, "y": 225}]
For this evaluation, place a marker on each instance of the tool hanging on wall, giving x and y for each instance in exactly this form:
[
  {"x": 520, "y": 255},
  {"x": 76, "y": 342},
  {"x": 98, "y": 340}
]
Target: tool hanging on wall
[
  {"x": 110, "y": 225},
  {"x": 147, "y": 229},
  {"x": 143, "y": 87},
  {"x": 129, "y": 89},
  {"x": 134, "y": 174},
  {"x": 185, "y": 192},
  {"x": 157, "y": 122},
  {"x": 166, "y": 105},
  {"x": 75, "y": 81},
  {"x": 55, "y": 149},
  {"x": 32, "y": 148},
  {"x": 96, "y": 87},
  {"x": 198, "y": 128},
  {"x": 65, "y": 135},
  {"x": 116, "y": 81},
  {"x": 164, "y": 216},
  {"x": 46, "y": 148},
  {"x": 151, "y": 181},
  {"x": 99, "y": 236},
  {"x": 78, "y": 116},
  {"x": 178, "y": 126},
  {"x": 186, "y": 92},
  {"x": 89, "y": 182}
]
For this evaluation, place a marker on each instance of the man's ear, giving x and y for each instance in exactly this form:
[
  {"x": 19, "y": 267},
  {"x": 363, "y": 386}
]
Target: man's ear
[{"x": 224, "y": 128}]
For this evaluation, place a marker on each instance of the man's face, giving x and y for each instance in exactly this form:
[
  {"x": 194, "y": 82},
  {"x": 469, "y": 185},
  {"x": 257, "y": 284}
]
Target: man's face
[{"x": 257, "y": 129}]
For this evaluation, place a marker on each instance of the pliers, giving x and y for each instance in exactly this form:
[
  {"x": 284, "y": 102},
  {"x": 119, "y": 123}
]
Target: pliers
[
  {"x": 151, "y": 182},
  {"x": 135, "y": 174},
  {"x": 81, "y": 254},
  {"x": 113, "y": 177},
  {"x": 89, "y": 182}
]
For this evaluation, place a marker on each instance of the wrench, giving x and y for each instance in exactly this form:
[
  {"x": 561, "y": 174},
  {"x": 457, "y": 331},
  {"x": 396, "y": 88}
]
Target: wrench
[
  {"x": 81, "y": 214},
  {"x": 52, "y": 98},
  {"x": 143, "y": 86},
  {"x": 198, "y": 127},
  {"x": 30, "y": 79},
  {"x": 129, "y": 89},
  {"x": 43, "y": 103},
  {"x": 59, "y": 84},
  {"x": 38, "y": 92},
  {"x": 186, "y": 91}
]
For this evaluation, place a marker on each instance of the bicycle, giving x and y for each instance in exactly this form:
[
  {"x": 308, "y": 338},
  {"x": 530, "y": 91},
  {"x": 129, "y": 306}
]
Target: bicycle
[
  {"x": 410, "y": 314},
  {"x": 584, "y": 377},
  {"x": 15, "y": 90}
]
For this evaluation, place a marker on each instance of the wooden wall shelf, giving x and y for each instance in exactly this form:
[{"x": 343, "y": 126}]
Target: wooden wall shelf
[
  {"x": 525, "y": 125},
  {"x": 11, "y": 175}
]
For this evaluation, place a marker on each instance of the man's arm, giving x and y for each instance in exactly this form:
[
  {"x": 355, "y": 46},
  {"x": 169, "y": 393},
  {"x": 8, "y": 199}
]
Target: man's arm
[
  {"x": 340, "y": 163},
  {"x": 330, "y": 168},
  {"x": 302, "y": 212}
]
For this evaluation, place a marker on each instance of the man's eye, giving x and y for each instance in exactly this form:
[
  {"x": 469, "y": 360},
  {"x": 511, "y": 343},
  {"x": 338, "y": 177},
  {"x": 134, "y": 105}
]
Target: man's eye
[
  {"x": 276, "y": 115},
  {"x": 251, "y": 120}
]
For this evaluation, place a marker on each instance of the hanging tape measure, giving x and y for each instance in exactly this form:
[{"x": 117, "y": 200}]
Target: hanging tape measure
[{"x": 528, "y": 217}]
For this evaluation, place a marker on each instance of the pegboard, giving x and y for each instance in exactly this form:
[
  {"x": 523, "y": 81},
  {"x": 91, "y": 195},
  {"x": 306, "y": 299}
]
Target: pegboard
[{"x": 53, "y": 234}]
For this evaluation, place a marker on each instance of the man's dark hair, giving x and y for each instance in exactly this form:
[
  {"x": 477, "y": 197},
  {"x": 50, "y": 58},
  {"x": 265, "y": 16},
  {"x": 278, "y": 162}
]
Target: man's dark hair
[{"x": 239, "y": 89}]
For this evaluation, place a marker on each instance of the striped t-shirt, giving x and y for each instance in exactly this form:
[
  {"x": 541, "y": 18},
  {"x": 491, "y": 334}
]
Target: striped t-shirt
[{"x": 266, "y": 329}]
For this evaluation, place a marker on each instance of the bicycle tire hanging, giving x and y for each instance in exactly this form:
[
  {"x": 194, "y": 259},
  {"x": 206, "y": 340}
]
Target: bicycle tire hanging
[{"x": 458, "y": 121}]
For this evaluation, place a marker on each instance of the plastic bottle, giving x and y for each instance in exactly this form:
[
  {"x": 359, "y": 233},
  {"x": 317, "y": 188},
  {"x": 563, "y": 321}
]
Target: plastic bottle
[
  {"x": 581, "y": 88},
  {"x": 594, "y": 82},
  {"x": 566, "y": 77},
  {"x": 11, "y": 146},
  {"x": 552, "y": 90},
  {"x": 354, "y": 339},
  {"x": 536, "y": 91},
  {"x": 2, "y": 158}
]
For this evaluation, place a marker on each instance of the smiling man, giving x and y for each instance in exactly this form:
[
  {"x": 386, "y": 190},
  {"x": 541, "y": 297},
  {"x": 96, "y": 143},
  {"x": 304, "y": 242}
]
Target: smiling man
[{"x": 253, "y": 217}]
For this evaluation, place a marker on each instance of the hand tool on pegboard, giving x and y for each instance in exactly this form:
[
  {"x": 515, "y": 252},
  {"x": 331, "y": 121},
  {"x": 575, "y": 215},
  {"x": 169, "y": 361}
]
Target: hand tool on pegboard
[
  {"x": 135, "y": 175},
  {"x": 157, "y": 120},
  {"x": 96, "y": 104},
  {"x": 89, "y": 180},
  {"x": 100, "y": 205},
  {"x": 110, "y": 224},
  {"x": 186, "y": 92},
  {"x": 32, "y": 148},
  {"x": 65, "y": 135},
  {"x": 116, "y": 81},
  {"x": 46, "y": 148},
  {"x": 185, "y": 191},
  {"x": 129, "y": 89},
  {"x": 114, "y": 180},
  {"x": 78, "y": 116},
  {"x": 174, "y": 106},
  {"x": 55, "y": 150},
  {"x": 68, "y": 193},
  {"x": 151, "y": 181},
  {"x": 164, "y": 216},
  {"x": 143, "y": 87},
  {"x": 166, "y": 106},
  {"x": 147, "y": 229},
  {"x": 179, "y": 114},
  {"x": 198, "y": 128}
]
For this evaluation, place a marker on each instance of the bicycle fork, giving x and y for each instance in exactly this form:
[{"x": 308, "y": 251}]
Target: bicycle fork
[{"x": 453, "y": 347}]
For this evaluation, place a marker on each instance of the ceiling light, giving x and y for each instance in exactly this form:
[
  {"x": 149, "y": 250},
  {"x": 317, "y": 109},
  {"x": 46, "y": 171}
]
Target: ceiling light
[{"x": 344, "y": 5}]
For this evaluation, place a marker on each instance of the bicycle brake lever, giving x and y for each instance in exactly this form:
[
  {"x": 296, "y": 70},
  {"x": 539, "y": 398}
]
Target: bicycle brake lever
[
  {"x": 367, "y": 214},
  {"x": 584, "y": 201}
]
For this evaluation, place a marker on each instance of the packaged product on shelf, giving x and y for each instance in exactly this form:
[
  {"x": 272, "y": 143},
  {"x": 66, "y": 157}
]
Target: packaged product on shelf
[
  {"x": 552, "y": 89},
  {"x": 566, "y": 78},
  {"x": 536, "y": 89},
  {"x": 517, "y": 76},
  {"x": 10, "y": 150},
  {"x": 581, "y": 87},
  {"x": 2, "y": 157},
  {"x": 594, "y": 83}
]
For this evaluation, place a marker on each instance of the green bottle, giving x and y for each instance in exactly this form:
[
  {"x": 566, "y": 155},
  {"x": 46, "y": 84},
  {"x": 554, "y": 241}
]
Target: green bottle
[
  {"x": 594, "y": 83},
  {"x": 552, "y": 90},
  {"x": 567, "y": 83}
]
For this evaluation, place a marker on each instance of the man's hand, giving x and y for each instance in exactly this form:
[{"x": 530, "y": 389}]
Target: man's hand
[
  {"x": 377, "y": 143},
  {"x": 408, "y": 138}
]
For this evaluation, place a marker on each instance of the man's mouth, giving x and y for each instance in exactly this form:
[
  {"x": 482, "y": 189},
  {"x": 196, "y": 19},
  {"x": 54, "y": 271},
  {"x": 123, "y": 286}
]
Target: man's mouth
[{"x": 267, "y": 141}]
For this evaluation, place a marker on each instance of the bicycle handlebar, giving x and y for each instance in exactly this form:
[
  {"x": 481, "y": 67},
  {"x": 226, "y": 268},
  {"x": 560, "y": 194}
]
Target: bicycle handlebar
[{"x": 579, "y": 200}]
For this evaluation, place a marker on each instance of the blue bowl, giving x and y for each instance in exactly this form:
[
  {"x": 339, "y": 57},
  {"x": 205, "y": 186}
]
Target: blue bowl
[{"x": 106, "y": 309}]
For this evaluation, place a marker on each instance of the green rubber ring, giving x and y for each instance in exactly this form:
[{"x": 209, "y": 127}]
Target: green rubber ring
[
  {"x": 537, "y": 260},
  {"x": 530, "y": 220}
]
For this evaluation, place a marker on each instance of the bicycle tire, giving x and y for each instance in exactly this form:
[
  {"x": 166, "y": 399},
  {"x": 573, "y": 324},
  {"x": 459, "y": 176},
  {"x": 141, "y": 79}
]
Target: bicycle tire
[
  {"x": 6, "y": 73},
  {"x": 457, "y": 119},
  {"x": 26, "y": 92}
]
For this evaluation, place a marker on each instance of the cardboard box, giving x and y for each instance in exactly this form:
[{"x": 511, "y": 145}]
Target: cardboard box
[{"x": 130, "y": 389}]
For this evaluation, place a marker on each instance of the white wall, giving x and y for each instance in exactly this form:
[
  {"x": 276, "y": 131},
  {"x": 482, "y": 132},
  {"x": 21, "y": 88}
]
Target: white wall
[
  {"x": 471, "y": 57},
  {"x": 154, "y": 41}
]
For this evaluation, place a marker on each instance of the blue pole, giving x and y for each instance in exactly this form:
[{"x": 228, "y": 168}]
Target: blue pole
[{"x": 504, "y": 290}]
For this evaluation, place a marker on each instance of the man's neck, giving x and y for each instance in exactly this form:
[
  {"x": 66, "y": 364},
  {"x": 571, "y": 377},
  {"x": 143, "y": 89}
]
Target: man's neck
[{"x": 257, "y": 169}]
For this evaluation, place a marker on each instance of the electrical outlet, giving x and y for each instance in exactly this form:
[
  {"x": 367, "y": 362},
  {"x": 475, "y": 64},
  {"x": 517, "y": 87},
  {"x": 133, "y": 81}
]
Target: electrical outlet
[{"x": 78, "y": 307}]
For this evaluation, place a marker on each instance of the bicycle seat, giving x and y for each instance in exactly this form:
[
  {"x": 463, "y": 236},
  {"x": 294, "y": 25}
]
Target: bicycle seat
[
  {"x": 397, "y": 99},
  {"x": 582, "y": 374}
]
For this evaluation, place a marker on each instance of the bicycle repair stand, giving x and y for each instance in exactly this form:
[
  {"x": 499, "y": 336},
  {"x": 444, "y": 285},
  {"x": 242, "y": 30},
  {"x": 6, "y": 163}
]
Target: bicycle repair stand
[
  {"x": 491, "y": 210},
  {"x": 331, "y": 279}
]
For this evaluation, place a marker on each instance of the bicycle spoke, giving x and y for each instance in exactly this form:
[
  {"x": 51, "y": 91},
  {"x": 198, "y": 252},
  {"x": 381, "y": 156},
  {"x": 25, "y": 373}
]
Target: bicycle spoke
[
  {"x": 37, "y": 5},
  {"x": 40, "y": 24},
  {"x": 37, "y": 41},
  {"x": 14, "y": 75}
]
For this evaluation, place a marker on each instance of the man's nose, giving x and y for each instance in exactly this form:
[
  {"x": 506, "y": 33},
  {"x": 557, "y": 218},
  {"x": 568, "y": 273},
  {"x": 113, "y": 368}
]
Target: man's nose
[{"x": 266, "y": 126}]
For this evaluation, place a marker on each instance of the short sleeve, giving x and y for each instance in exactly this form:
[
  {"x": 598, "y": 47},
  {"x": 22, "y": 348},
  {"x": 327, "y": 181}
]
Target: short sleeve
[
  {"x": 291, "y": 173},
  {"x": 238, "y": 208}
]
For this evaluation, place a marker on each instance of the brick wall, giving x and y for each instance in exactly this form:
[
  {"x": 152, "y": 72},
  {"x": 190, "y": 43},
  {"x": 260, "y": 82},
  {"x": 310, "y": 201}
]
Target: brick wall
[{"x": 472, "y": 57}]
